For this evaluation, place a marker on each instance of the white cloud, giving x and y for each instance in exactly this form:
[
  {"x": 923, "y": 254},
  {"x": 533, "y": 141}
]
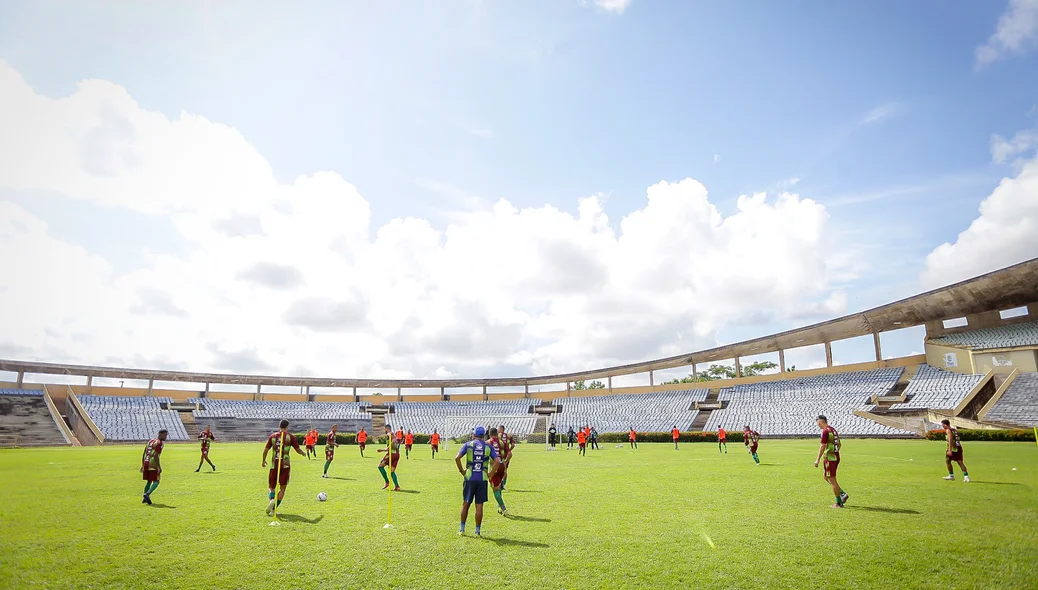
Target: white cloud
[
  {"x": 617, "y": 6},
  {"x": 294, "y": 278},
  {"x": 1005, "y": 233},
  {"x": 717, "y": 158},
  {"x": 1016, "y": 33},
  {"x": 1003, "y": 149},
  {"x": 878, "y": 114}
]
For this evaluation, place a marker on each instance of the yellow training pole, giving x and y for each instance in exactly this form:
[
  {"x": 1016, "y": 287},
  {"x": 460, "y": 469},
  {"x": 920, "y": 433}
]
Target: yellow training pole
[
  {"x": 277, "y": 478},
  {"x": 1036, "y": 435}
]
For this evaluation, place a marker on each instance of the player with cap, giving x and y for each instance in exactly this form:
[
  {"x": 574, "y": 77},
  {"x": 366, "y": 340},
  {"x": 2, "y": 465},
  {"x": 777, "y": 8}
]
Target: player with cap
[{"x": 477, "y": 453}]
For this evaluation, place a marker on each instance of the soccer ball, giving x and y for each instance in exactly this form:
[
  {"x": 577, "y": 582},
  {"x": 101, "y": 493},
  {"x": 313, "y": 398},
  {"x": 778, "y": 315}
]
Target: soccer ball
[{"x": 321, "y": 497}]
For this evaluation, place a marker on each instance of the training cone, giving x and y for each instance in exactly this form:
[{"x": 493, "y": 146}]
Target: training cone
[
  {"x": 388, "y": 526},
  {"x": 275, "y": 523}
]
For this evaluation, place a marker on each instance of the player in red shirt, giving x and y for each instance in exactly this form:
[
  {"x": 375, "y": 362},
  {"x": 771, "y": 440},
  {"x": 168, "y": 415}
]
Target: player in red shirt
[
  {"x": 954, "y": 452},
  {"x": 434, "y": 440},
  {"x": 362, "y": 440},
  {"x": 400, "y": 436},
  {"x": 280, "y": 468},
  {"x": 722, "y": 439},
  {"x": 582, "y": 442},
  {"x": 507, "y": 440},
  {"x": 329, "y": 448},
  {"x": 750, "y": 438},
  {"x": 676, "y": 434},
  {"x": 205, "y": 436},
  {"x": 150, "y": 466},
  {"x": 408, "y": 441},
  {"x": 632, "y": 437},
  {"x": 391, "y": 460},
  {"x": 830, "y": 450},
  {"x": 311, "y": 443},
  {"x": 497, "y": 480}
]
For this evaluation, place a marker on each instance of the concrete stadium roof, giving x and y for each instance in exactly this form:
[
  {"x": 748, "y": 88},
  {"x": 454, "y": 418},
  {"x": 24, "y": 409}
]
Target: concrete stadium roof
[{"x": 1007, "y": 288}]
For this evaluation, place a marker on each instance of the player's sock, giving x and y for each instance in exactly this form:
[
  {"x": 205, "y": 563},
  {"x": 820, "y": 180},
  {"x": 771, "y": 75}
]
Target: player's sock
[
  {"x": 154, "y": 485},
  {"x": 382, "y": 470},
  {"x": 500, "y": 501},
  {"x": 395, "y": 482},
  {"x": 278, "y": 505},
  {"x": 462, "y": 529},
  {"x": 326, "y": 464},
  {"x": 147, "y": 485},
  {"x": 270, "y": 495},
  {"x": 477, "y": 530},
  {"x": 503, "y": 483}
]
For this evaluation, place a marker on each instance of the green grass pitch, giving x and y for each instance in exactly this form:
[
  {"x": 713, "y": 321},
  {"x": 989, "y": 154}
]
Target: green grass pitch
[{"x": 73, "y": 518}]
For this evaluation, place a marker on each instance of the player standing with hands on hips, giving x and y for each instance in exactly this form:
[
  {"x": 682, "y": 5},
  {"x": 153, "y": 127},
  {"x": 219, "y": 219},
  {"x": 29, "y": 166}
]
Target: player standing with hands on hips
[{"x": 477, "y": 454}]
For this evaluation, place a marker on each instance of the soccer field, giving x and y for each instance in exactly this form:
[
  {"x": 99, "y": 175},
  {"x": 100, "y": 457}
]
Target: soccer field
[{"x": 654, "y": 517}]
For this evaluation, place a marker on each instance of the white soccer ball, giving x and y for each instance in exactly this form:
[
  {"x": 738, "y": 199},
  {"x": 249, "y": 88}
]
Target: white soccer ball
[{"x": 321, "y": 497}]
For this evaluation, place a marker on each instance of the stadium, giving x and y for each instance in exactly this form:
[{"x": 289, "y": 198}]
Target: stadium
[{"x": 978, "y": 372}]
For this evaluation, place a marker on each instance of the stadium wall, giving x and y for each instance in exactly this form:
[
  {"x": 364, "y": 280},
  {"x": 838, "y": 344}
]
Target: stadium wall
[
  {"x": 949, "y": 358},
  {"x": 1005, "y": 362}
]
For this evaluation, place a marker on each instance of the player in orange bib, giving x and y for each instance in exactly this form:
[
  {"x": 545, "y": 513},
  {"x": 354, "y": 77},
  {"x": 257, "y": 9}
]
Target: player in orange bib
[
  {"x": 310, "y": 441},
  {"x": 722, "y": 439},
  {"x": 408, "y": 441},
  {"x": 362, "y": 440},
  {"x": 434, "y": 440},
  {"x": 582, "y": 442},
  {"x": 632, "y": 437},
  {"x": 676, "y": 434}
]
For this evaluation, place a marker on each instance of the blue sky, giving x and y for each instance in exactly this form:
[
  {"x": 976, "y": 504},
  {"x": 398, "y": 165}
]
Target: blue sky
[{"x": 882, "y": 112}]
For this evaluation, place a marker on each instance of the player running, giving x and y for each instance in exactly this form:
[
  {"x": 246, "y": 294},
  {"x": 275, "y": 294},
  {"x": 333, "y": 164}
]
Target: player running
[
  {"x": 434, "y": 441},
  {"x": 582, "y": 442},
  {"x": 497, "y": 480},
  {"x": 329, "y": 448},
  {"x": 206, "y": 436},
  {"x": 749, "y": 439},
  {"x": 477, "y": 454},
  {"x": 150, "y": 466},
  {"x": 722, "y": 440},
  {"x": 830, "y": 449},
  {"x": 954, "y": 452},
  {"x": 280, "y": 467},
  {"x": 362, "y": 440},
  {"x": 408, "y": 441},
  {"x": 390, "y": 460},
  {"x": 632, "y": 437},
  {"x": 675, "y": 434},
  {"x": 311, "y": 442}
]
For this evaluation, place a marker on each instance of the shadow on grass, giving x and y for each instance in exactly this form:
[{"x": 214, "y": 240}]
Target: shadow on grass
[
  {"x": 342, "y": 478},
  {"x": 994, "y": 483},
  {"x": 407, "y": 492},
  {"x": 516, "y": 543},
  {"x": 302, "y": 519},
  {"x": 526, "y": 518},
  {"x": 163, "y": 506},
  {"x": 524, "y": 491},
  {"x": 882, "y": 509}
]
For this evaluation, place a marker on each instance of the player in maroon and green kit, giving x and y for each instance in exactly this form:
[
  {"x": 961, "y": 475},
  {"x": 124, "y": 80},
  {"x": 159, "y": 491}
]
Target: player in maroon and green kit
[
  {"x": 750, "y": 438},
  {"x": 329, "y": 449},
  {"x": 150, "y": 466},
  {"x": 497, "y": 480},
  {"x": 280, "y": 468},
  {"x": 954, "y": 452},
  {"x": 206, "y": 436},
  {"x": 507, "y": 444},
  {"x": 830, "y": 451}
]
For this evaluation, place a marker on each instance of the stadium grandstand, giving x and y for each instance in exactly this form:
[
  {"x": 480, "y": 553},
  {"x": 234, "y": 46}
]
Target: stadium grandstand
[{"x": 979, "y": 370}]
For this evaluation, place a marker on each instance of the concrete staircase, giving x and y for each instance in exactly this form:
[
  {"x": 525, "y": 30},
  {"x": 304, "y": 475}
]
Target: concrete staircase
[
  {"x": 189, "y": 424},
  {"x": 704, "y": 414}
]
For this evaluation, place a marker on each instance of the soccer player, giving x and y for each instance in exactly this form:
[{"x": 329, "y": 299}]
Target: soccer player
[
  {"x": 280, "y": 467},
  {"x": 391, "y": 460},
  {"x": 477, "y": 454},
  {"x": 329, "y": 449},
  {"x": 553, "y": 435},
  {"x": 594, "y": 438},
  {"x": 954, "y": 452},
  {"x": 311, "y": 441},
  {"x": 830, "y": 449},
  {"x": 400, "y": 436},
  {"x": 150, "y": 466},
  {"x": 632, "y": 437},
  {"x": 675, "y": 434},
  {"x": 570, "y": 437},
  {"x": 507, "y": 441},
  {"x": 205, "y": 436},
  {"x": 749, "y": 439},
  {"x": 582, "y": 442},
  {"x": 434, "y": 440},
  {"x": 408, "y": 441},
  {"x": 362, "y": 440},
  {"x": 722, "y": 440},
  {"x": 497, "y": 480}
]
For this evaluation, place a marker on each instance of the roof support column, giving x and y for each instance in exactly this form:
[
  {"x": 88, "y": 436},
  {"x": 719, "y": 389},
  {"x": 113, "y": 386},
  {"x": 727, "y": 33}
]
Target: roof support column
[
  {"x": 695, "y": 377},
  {"x": 610, "y": 379},
  {"x": 356, "y": 398},
  {"x": 206, "y": 392},
  {"x": 568, "y": 393},
  {"x": 828, "y": 354},
  {"x": 21, "y": 378},
  {"x": 443, "y": 393},
  {"x": 782, "y": 361},
  {"x": 485, "y": 398},
  {"x": 738, "y": 368},
  {"x": 151, "y": 387},
  {"x": 651, "y": 380},
  {"x": 259, "y": 392},
  {"x": 879, "y": 349},
  {"x": 399, "y": 395},
  {"x": 90, "y": 383},
  {"x": 527, "y": 391}
]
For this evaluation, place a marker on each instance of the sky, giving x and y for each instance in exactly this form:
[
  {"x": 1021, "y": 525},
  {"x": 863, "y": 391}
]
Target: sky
[{"x": 481, "y": 188}]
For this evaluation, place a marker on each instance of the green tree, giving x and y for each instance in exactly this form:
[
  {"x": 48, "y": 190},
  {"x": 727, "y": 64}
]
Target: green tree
[
  {"x": 581, "y": 385},
  {"x": 719, "y": 372}
]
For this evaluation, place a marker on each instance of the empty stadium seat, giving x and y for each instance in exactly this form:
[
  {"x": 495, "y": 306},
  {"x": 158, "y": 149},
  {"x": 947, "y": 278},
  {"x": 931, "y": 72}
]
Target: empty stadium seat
[
  {"x": 448, "y": 417},
  {"x": 650, "y": 412},
  {"x": 1019, "y": 402},
  {"x": 26, "y": 420},
  {"x": 1007, "y": 336},
  {"x": 933, "y": 388},
  {"x": 133, "y": 418}
]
